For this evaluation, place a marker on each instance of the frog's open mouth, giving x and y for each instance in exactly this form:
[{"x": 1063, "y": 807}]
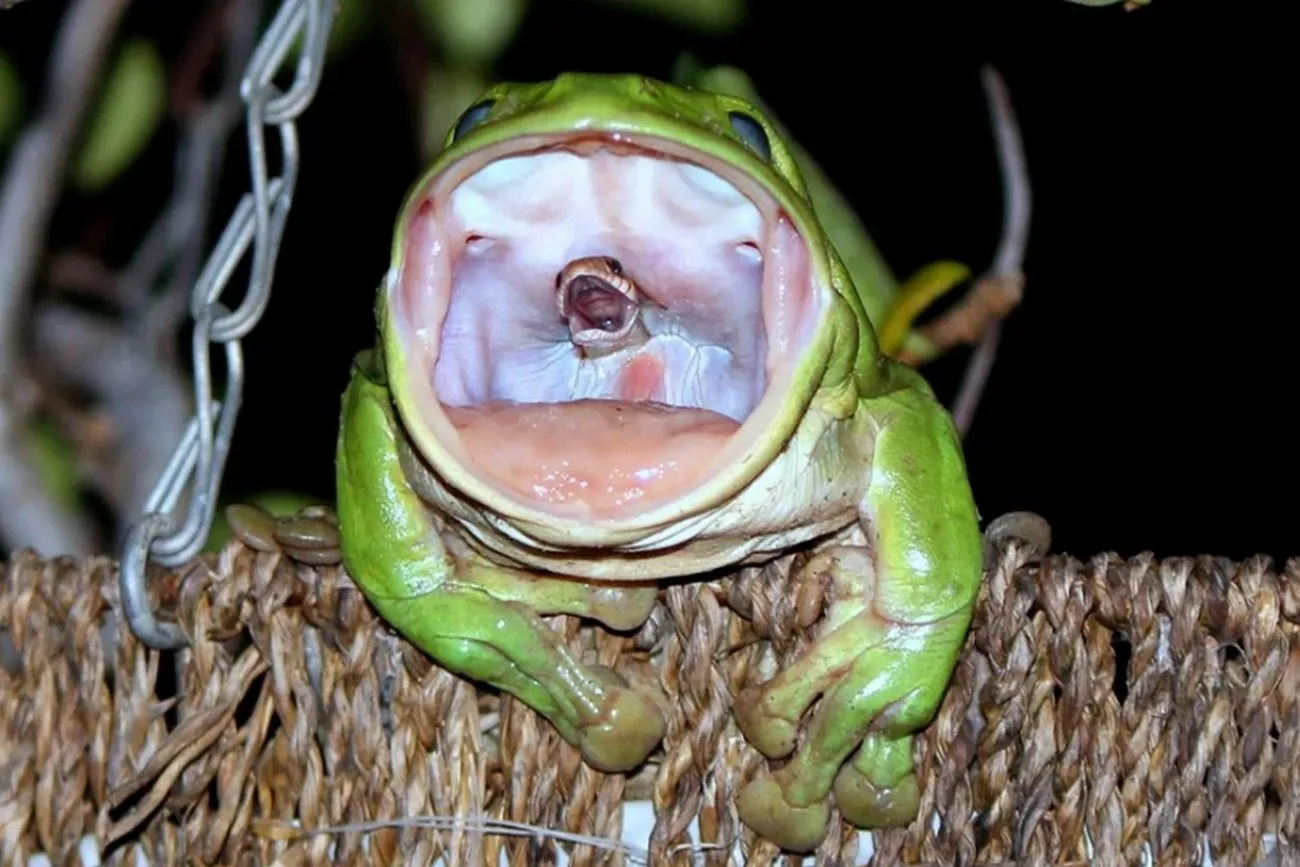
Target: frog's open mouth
[{"x": 729, "y": 305}]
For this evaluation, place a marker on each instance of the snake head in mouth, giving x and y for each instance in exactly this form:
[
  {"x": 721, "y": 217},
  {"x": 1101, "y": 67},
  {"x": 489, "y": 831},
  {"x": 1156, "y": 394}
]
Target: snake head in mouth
[{"x": 601, "y": 304}]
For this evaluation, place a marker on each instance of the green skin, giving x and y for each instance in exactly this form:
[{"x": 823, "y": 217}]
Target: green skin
[
  {"x": 876, "y": 284},
  {"x": 891, "y": 514}
]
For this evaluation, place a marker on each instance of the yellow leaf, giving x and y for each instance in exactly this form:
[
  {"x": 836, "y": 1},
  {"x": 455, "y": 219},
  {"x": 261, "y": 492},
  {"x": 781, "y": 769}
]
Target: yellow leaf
[{"x": 916, "y": 294}]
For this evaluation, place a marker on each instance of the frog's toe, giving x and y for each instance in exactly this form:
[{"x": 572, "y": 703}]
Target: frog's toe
[
  {"x": 866, "y": 805},
  {"x": 763, "y": 807},
  {"x": 623, "y": 608},
  {"x": 625, "y": 731},
  {"x": 771, "y": 735}
]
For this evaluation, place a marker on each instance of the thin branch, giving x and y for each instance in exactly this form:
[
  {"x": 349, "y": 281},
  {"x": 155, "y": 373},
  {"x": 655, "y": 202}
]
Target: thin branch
[
  {"x": 34, "y": 176},
  {"x": 147, "y": 402},
  {"x": 412, "y": 59},
  {"x": 1010, "y": 258},
  {"x": 33, "y": 181},
  {"x": 976, "y": 377},
  {"x": 131, "y": 367},
  {"x": 1016, "y": 193},
  {"x": 76, "y": 271},
  {"x": 205, "y": 133},
  {"x": 204, "y": 45}
]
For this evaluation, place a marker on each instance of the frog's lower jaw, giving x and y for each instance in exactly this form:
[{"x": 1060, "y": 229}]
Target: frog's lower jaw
[{"x": 506, "y": 405}]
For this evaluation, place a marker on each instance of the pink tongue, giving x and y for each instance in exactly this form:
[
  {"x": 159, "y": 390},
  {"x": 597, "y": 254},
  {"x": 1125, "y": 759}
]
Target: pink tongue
[{"x": 601, "y": 454}]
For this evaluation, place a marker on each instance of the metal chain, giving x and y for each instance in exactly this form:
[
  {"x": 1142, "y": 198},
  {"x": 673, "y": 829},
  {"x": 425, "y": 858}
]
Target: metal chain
[{"x": 199, "y": 459}]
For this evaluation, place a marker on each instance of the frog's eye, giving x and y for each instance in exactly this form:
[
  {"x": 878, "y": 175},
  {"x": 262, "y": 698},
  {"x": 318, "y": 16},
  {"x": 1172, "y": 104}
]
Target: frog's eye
[
  {"x": 751, "y": 132},
  {"x": 473, "y": 116}
]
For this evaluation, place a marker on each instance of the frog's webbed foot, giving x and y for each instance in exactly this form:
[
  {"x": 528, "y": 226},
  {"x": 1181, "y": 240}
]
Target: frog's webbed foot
[
  {"x": 310, "y": 536},
  {"x": 879, "y": 681},
  {"x": 485, "y": 624},
  {"x": 1030, "y": 528}
]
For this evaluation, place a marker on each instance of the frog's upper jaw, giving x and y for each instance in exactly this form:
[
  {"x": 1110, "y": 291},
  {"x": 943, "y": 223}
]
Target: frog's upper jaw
[{"x": 506, "y": 410}]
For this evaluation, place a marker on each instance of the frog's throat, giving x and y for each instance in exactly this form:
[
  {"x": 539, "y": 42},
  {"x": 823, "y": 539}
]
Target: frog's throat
[{"x": 508, "y": 413}]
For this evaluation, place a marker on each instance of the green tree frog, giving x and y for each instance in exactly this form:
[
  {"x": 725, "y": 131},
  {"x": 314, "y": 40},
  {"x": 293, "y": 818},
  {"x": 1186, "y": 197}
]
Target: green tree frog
[{"x": 615, "y": 347}]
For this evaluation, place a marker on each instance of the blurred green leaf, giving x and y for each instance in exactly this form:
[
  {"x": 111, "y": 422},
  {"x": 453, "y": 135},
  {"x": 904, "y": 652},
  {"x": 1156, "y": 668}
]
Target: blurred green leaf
[
  {"x": 55, "y": 458},
  {"x": 710, "y": 16},
  {"x": 278, "y": 503},
  {"x": 11, "y": 98},
  {"x": 689, "y": 72},
  {"x": 471, "y": 32},
  {"x": 447, "y": 93},
  {"x": 129, "y": 111}
]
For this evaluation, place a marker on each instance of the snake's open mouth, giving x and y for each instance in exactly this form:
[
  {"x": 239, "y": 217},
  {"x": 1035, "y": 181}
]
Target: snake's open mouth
[{"x": 724, "y": 300}]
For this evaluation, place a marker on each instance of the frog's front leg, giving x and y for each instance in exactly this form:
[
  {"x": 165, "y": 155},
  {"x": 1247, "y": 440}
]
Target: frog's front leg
[
  {"x": 900, "y": 608},
  {"x": 473, "y": 618},
  {"x": 485, "y": 624}
]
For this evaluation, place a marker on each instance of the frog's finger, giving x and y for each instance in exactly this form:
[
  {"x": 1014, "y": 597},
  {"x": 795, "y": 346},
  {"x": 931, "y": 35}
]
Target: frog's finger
[
  {"x": 769, "y": 714},
  {"x": 878, "y": 789},
  {"x": 916, "y": 295},
  {"x": 887, "y": 691},
  {"x": 900, "y": 610},
  {"x": 505, "y": 645},
  {"x": 482, "y": 662},
  {"x": 621, "y": 607}
]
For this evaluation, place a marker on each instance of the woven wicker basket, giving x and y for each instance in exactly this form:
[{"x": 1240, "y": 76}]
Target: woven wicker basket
[{"x": 1104, "y": 712}]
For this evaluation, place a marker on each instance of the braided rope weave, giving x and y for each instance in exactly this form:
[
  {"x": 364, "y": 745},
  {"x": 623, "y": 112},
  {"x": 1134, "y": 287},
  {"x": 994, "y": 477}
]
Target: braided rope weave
[{"x": 1104, "y": 712}]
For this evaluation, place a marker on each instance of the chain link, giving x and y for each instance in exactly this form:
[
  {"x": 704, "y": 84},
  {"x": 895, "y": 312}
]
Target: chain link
[{"x": 258, "y": 220}]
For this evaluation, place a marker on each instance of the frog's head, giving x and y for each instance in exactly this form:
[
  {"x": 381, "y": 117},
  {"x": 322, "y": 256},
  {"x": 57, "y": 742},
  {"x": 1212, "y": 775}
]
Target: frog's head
[{"x": 749, "y": 322}]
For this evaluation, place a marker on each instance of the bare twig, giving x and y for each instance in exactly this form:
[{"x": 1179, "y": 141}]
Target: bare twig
[
  {"x": 148, "y": 402},
  {"x": 28, "y": 517},
  {"x": 179, "y": 236},
  {"x": 1017, "y": 199},
  {"x": 412, "y": 59},
  {"x": 1009, "y": 261},
  {"x": 207, "y": 39},
  {"x": 33, "y": 179},
  {"x": 83, "y": 273},
  {"x": 131, "y": 368}
]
